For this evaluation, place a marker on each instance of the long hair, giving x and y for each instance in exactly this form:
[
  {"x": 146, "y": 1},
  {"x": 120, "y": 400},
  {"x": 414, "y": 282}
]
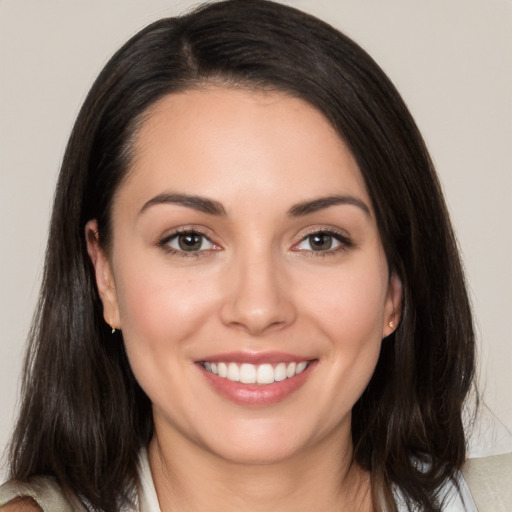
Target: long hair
[{"x": 84, "y": 418}]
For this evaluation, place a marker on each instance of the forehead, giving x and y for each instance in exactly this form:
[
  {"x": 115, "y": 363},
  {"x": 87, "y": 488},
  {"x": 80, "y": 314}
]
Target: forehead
[{"x": 220, "y": 140}]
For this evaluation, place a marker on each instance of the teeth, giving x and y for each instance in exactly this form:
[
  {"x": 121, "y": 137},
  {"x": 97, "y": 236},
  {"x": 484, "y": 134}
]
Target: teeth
[
  {"x": 290, "y": 370},
  {"x": 280, "y": 372},
  {"x": 265, "y": 374},
  {"x": 255, "y": 374},
  {"x": 233, "y": 372},
  {"x": 247, "y": 373},
  {"x": 222, "y": 369},
  {"x": 301, "y": 367}
]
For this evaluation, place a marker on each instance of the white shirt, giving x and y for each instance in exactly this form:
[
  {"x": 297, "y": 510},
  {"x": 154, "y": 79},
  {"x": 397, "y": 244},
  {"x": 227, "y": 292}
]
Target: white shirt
[{"x": 148, "y": 500}]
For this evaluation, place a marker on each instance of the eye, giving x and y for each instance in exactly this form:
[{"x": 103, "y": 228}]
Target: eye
[
  {"x": 188, "y": 241},
  {"x": 322, "y": 241}
]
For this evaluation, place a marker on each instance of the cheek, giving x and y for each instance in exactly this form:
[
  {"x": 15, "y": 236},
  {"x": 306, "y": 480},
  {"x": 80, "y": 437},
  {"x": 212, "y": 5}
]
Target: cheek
[
  {"x": 349, "y": 310},
  {"x": 348, "y": 303},
  {"x": 162, "y": 306},
  {"x": 160, "y": 310}
]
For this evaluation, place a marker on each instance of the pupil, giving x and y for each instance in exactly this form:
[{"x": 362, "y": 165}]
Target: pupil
[
  {"x": 190, "y": 242},
  {"x": 321, "y": 242}
]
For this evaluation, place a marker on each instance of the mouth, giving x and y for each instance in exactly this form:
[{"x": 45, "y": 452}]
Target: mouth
[
  {"x": 262, "y": 374},
  {"x": 258, "y": 379}
]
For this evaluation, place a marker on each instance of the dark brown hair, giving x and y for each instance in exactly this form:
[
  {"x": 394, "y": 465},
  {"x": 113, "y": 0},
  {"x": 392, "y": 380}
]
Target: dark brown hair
[{"x": 83, "y": 416}]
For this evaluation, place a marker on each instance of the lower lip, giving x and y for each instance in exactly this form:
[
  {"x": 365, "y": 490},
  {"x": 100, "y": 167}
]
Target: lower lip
[{"x": 257, "y": 394}]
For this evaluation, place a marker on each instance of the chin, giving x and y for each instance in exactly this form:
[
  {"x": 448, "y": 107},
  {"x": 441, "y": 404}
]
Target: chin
[
  {"x": 259, "y": 444},
  {"x": 254, "y": 453}
]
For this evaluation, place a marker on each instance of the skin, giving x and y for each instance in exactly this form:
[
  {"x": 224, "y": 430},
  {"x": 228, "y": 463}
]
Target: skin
[
  {"x": 22, "y": 505},
  {"x": 255, "y": 285}
]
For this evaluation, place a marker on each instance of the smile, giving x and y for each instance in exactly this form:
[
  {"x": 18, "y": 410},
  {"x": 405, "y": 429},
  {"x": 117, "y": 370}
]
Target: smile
[
  {"x": 256, "y": 379},
  {"x": 247, "y": 373}
]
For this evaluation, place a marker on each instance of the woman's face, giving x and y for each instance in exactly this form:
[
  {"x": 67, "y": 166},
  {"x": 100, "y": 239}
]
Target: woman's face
[{"x": 247, "y": 274}]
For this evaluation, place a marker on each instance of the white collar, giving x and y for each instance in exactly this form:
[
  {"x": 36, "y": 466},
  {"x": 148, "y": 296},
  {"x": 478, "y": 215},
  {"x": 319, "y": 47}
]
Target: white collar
[{"x": 148, "y": 500}]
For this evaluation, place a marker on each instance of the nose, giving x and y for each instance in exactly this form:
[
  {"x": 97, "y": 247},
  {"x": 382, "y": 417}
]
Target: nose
[{"x": 256, "y": 296}]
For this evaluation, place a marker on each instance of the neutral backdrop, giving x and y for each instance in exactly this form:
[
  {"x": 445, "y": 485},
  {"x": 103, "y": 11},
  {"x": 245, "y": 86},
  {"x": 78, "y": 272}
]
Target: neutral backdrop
[{"x": 450, "y": 59}]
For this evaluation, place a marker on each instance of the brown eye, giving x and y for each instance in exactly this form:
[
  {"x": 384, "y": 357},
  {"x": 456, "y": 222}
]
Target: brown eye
[
  {"x": 189, "y": 241},
  {"x": 320, "y": 242},
  {"x": 323, "y": 241}
]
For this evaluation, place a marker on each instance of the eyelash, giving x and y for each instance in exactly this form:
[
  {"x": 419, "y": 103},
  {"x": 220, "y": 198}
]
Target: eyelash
[
  {"x": 343, "y": 240},
  {"x": 344, "y": 243},
  {"x": 164, "y": 244}
]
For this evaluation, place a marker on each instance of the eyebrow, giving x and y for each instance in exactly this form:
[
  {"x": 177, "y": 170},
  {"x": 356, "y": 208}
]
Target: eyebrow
[
  {"x": 198, "y": 203},
  {"x": 212, "y": 207},
  {"x": 307, "y": 207}
]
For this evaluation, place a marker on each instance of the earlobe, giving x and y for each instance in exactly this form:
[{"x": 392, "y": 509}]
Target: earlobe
[
  {"x": 104, "y": 276},
  {"x": 393, "y": 311}
]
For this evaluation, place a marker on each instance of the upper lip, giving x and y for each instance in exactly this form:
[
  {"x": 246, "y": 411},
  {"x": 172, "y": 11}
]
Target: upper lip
[{"x": 254, "y": 357}]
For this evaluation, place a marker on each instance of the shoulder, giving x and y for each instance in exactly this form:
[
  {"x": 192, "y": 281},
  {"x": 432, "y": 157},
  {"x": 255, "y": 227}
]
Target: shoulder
[
  {"x": 40, "y": 494},
  {"x": 482, "y": 486},
  {"x": 21, "y": 505},
  {"x": 453, "y": 495},
  {"x": 489, "y": 482}
]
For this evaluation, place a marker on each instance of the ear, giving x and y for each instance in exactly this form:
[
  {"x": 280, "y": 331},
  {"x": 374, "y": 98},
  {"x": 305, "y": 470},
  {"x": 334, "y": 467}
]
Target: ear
[
  {"x": 104, "y": 275},
  {"x": 393, "y": 309}
]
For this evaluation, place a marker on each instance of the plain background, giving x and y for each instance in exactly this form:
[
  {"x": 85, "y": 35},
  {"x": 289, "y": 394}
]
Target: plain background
[{"x": 450, "y": 59}]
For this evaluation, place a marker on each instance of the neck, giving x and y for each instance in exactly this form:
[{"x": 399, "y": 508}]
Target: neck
[{"x": 322, "y": 477}]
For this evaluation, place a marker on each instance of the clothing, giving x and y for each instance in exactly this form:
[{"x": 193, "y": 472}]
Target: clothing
[
  {"x": 47, "y": 493},
  {"x": 494, "y": 495},
  {"x": 148, "y": 500},
  {"x": 453, "y": 500},
  {"x": 44, "y": 490},
  {"x": 490, "y": 481}
]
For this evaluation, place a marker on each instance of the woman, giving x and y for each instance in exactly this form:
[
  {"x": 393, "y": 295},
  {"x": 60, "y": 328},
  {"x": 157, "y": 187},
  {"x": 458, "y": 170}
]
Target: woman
[{"x": 252, "y": 296}]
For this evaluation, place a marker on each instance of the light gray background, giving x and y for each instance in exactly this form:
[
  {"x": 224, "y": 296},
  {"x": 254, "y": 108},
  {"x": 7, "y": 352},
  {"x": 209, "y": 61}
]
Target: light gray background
[{"x": 451, "y": 60}]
